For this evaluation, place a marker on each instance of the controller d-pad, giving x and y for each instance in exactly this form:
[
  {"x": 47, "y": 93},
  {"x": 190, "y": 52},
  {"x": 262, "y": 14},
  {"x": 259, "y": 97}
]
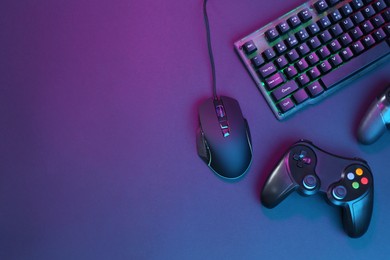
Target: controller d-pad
[{"x": 302, "y": 158}]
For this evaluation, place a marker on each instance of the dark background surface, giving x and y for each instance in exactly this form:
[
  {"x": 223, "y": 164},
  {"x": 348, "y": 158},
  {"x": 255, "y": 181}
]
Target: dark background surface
[{"x": 98, "y": 115}]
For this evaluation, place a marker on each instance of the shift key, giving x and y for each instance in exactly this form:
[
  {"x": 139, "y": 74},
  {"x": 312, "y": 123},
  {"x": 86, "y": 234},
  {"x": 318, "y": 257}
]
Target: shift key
[{"x": 274, "y": 81}]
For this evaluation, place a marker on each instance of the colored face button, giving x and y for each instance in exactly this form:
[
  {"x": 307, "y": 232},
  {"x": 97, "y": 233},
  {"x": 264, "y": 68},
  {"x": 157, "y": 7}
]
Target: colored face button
[
  {"x": 339, "y": 192},
  {"x": 350, "y": 176},
  {"x": 359, "y": 171},
  {"x": 364, "y": 181},
  {"x": 355, "y": 185}
]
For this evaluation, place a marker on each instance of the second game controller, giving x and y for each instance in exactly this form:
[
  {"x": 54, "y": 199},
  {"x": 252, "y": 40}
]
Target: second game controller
[
  {"x": 376, "y": 121},
  {"x": 346, "y": 183}
]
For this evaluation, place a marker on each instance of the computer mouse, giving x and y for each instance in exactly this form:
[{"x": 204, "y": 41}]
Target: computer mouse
[
  {"x": 223, "y": 138},
  {"x": 376, "y": 121}
]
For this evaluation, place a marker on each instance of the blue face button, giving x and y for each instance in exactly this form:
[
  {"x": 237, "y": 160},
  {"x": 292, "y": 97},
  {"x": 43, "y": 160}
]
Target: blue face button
[
  {"x": 350, "y": 176},
  {"x": 339, "y": 192}
]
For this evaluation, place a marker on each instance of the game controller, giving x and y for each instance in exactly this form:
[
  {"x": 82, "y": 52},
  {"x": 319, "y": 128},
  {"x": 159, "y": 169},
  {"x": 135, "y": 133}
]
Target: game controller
[
  {"x": 377, "y": 119},
  {"x": 345, "y": 182}
]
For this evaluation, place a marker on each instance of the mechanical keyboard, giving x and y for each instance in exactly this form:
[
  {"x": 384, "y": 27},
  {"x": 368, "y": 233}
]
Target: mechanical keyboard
[{"x": 315, "y": 49}]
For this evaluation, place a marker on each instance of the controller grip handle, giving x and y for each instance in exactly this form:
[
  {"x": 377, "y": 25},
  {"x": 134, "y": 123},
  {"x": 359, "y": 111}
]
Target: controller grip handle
[
  {"x": 376, "y": 120},
  {"x": 278, "y": 186},
  {"x": 372, "y": 125},
  {"x": 357, "y": 215}
]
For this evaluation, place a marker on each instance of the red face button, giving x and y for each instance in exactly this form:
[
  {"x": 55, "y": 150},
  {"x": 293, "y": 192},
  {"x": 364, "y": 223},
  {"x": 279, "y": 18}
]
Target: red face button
[{"x": 364, "y": 181}]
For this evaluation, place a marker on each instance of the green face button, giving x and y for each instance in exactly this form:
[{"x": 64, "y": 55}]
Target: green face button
[{"x": 355, "y": 185}]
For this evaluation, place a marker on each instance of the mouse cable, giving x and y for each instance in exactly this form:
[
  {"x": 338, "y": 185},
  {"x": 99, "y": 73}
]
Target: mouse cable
[{"x": 206, "y": 21}]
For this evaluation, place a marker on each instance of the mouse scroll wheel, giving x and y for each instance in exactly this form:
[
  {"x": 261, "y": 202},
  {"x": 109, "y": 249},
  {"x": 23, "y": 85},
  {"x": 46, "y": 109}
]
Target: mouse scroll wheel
[{"x": 220, "y": 111}]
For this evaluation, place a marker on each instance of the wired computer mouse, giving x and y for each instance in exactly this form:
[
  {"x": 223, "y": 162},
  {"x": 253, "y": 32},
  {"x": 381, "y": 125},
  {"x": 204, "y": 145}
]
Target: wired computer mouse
[{"x": 223, "y": 138}]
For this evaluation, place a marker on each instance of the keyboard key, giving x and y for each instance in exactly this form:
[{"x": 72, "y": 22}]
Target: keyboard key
[
  {"x": 280, "y": 48},
  {"x": 302, "y": 65},
  {"x": 368, "y": 11},
  {"x": 292, "y": 55},
  {"x": 386, "y": 15},
  {"x": 386, "y": 28},
  {"x": 379, "y": 35},
  {"x": 274, "y": 81},
  {"x": 249, "y": 47},
  {"x": 356, "y": 33},
  {"x": 336, "y": 30},
  {"x": 321, "y": 6},
  {"x": 291, "y": 41},
  {"x": 313, "y": 29},
  {"x": 335, "y": 16},
  {"x": 356, "y": 4},
  {"x": 357, "y": 18},
  {"x": 378, "y": 21},
  {"x": 286, "y": 105},
  {"x": 357, "y": 47},
  {"x": 314, "y": 43},
  {"x": 294, "y": 21},
  {"x": 281, "y": 62},
  {"x": 346, "y": 10},
  {"x": 324, "y": 22},
  {"x": 324, "y": 67},
  {"x": 269, "y": 54},
  {"x": 302, "y": 80},
  {"x": 303, "y": 49},
  {"x": 290, "y": 72},
  {"x": 272, "y": 34},
  {"x": 346, "y": 54},
  {"x": 325, "y": 36},
  {"x": 284, "y": 90},
  {"x": 367, "y": 27},
  {"x": 315, "y": 89},
  {"x": 267, "y": 69},
  {"x": 313, "y": 73},
  {"x": 312, "y": 59},
  {"x": 302, "y": 35},
  {"x": 305, "y": 15},
  {"x": 379, "y": 5},
  {"x": 283, "y": 28},
  {"x": 368, "y": 41},
  {"x": 335, "y": 60},
  {"x": 300, "y": 96},
  {"x": 347, "y": 24},
  {"x": 323, "y": 52},
  {"x": 257, "y": 61},
  {"x": 345, "y": 39},
  {"x": 334, "y": 46},
  {"x": 356, "y": 64}
]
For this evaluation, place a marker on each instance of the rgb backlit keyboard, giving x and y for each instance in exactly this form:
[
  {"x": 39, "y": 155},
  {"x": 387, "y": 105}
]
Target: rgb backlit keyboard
[{"x": 308, "y": 53}]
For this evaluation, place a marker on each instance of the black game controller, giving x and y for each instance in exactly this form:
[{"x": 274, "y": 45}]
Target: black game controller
[
  {"x": 346, "y": 182},
  {"x": 376, "y": 120}
]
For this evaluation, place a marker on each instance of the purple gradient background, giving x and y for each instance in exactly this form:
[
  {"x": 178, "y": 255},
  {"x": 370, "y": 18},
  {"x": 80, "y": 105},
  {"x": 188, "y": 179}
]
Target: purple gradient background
[{"x": 98, "y": 115}]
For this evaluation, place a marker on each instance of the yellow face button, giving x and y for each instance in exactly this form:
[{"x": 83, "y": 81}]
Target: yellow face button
[{"x": 359, "y": 171}]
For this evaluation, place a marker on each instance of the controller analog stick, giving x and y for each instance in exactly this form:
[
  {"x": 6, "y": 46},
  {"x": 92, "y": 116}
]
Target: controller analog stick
[
  {"x": 339, "y": 192},
  {"x": 310, "y": 182}
]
